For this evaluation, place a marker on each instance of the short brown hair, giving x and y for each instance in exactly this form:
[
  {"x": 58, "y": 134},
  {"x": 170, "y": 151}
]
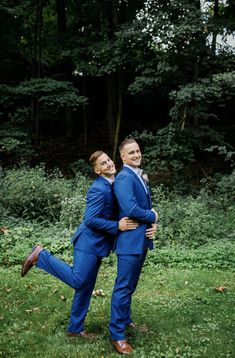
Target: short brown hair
[
  {"x": 125, "y": 142},
  {"x": 93, "y": 158}
]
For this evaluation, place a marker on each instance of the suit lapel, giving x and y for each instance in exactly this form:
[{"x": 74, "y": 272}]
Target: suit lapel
[
  {"x": 149, "y": 196},
  {"x": 138, "y": 180},
  {"x": 106, "y": 187}
]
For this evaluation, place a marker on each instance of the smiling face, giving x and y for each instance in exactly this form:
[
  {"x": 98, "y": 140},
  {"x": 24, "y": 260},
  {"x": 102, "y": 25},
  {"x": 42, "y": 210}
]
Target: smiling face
[
  {"x": 104, "y": 166},
  {"x": 131, "y": 154}
]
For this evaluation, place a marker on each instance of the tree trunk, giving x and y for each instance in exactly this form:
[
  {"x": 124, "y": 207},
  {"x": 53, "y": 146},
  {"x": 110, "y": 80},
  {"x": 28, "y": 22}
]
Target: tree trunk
[
  {"x": 61, "y": 19},
  {"x": 215, "y": 30},
  {"x": 119, "y": 115},
  {"x": 37, "y": 59},
  {"x": 69, "y": 122},
  {"x": 84, "y": 114},
  {"x": 37, "y": 48},
  {"x": 111, "y": 106}
]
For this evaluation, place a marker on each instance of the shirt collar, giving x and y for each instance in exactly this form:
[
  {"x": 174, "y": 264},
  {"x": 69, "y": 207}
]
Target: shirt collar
[
  {"x": 137, "y": 171},
  {"x": 110, "y": 180}
]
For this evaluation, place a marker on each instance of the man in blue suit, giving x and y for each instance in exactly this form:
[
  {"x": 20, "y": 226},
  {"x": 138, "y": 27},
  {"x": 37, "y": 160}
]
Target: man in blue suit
[
  {"x": 134, "y": 201},
  {"x": 93, "y": 240}
]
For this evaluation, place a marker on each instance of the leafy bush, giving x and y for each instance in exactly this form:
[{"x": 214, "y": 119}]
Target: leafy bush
[
  {"x": 44, "y": 208},
  {"x": 17, "y": 237},
  {"x": 220, "y": 255},
  {"x": 81, "y": 167},
  {"x": 73, "y": 206},
  {"x": 225, "y": 187},
  {"x": 33, "y": 193},
  {"x": 192, "y": 222},
  {"x": 171, "y": 155},
  {"x": 168, "y": 156}
]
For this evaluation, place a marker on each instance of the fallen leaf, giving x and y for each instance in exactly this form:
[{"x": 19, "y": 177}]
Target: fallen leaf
[
  {"x": 28, "y": 311},
  {"x": 98, "y": 292},
  {"x": 4, "y": 230},
  {"x": 144, "y": 328},
  {"x": 28, "y": 286},
  {"x": 220, "y": 289}
]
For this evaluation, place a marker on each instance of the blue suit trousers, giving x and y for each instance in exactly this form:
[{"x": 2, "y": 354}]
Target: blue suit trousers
[
  {"x": 81, "y": 276},
  {"x": 128, "y": 273}
]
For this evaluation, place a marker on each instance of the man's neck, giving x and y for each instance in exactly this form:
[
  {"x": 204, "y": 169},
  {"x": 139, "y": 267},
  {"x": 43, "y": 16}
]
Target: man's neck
[
  {"x": 109, "y": 178},
  {"x": 130, "y": 166}
]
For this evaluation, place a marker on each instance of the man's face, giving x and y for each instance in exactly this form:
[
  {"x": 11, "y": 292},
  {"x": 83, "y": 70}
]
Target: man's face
[
  {"x": 104, "y": 166},
  {"x": 131, "y": 155}
]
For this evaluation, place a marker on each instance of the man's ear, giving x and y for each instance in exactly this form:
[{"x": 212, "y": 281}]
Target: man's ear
[
  {"x": 122, "y": 157},
  {"x": 96, "y": 171}
]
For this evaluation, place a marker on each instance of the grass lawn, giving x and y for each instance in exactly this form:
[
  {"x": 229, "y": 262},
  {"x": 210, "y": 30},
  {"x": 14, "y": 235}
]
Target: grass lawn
[{"x": 184, "y": 314}]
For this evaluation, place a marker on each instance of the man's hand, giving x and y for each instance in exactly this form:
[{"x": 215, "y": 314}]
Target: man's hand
[
  {"x": 151, "y": 232},
  {"x": 127, "y": 224}
]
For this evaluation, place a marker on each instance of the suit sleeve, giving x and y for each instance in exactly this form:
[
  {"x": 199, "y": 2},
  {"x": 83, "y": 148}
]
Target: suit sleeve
[
  {"x": 94, "y": 210},
  {"x": 124, "y": 191}
]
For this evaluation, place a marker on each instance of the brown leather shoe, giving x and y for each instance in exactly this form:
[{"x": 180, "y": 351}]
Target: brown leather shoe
[
  {"x": 122, "y": 346},
  {"x": 31, "y": 260},
  {"x": 82, "y": 334}
]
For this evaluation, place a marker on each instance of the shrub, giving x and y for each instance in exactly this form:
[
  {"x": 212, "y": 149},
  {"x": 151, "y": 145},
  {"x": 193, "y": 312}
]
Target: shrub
[
  {"x": 225, "y": 187},
  {"x": 192, "y": 222},
  {"x": 168, "y": 156},
  {"x": 17, "y": 237},
  {"x": 44, "y": 208},
  {"x": 33, "y": 193},
  {"x": 220, "y": 255},
  {"x": 73, "y": 206}
]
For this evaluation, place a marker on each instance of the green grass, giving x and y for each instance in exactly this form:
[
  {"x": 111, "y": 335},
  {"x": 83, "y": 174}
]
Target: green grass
[{"x": 184, "y": 314}]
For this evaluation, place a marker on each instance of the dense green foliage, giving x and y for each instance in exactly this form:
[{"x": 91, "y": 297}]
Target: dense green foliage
[
  {"x": 44, "y": 208},
  {"x": 33, "y": 193},
  {"x": 172, "y": 157},
  {"x": 193, "y": 222},
  {"x": 76, "y": 76}
]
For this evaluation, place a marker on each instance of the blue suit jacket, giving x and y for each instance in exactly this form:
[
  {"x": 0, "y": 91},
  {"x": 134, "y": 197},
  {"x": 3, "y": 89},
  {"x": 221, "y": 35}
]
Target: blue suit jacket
[
  {"x": 134, "y": 202},
  {"x": 96, "y": 233}
]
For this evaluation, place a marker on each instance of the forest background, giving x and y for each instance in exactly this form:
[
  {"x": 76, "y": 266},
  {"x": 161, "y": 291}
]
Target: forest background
[{"x": 77, "y": 76}]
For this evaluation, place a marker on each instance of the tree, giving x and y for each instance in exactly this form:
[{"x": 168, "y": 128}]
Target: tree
[
  {"x": 100, "y": 68},
  {"x": 103, "y": 50}
]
